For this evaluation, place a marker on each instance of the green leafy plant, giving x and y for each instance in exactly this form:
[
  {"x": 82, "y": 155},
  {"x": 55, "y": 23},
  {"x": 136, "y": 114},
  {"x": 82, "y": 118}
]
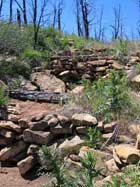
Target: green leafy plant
[
  {"x": 52, "y": 157},
  {"x": 88, "y": 171},
  {"x": 14, "y": 69},
  {"x": 130, "y": 178},
  {"x": 94, "y": 138},
  {"x": 109, "y": 98},
  {"x": 121, "y": 50},
  {"x": 3, "y": 97}
]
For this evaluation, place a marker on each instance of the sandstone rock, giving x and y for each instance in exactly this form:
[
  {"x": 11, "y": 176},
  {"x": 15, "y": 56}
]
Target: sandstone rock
[
  {"x": 39, "y": 126},
  {"x": 84, "y": 120},
  {"x": 100, "y": 126},
  {"x": 23, "y": 123},
  {"x": 29, "y": 86},
  {"x": 81, "y": 130},
  {"x": 74, "y": 157},
  {"x": 59, "y": 130},
  {"x": 107, "y": 136},
  {"x": 48, "y": 82},
  {"x": 78, "y": 91},
  {"x": 63, "y": 120},
  {"x": 134, "y": 128},
  {"x": 10, "y": 126},
  {"x": 37, "y": 118},
  {"x": 10, "y": 152},
  {"x": 136, "y": 81},
  {"x": 138, "y": 142},
  {"x": 112, "y": 166},
  {"x": 18, "y": 157},
  {"x": 127, "y": 153},
  {"x": 37, "y": 137},
  {"x": 6, "y": 134},
  {"x": 13, "y": 118},
  {"x": 117, "y": 66},
  {"x": 25, "y": 165},
  {"x": 125, "y": 139},
  {"x": 13, "y": 111},
  {"x": 53, "y": 122},
  {"x": 109, "y": 128},
  {"x": 71, "y": 146}
]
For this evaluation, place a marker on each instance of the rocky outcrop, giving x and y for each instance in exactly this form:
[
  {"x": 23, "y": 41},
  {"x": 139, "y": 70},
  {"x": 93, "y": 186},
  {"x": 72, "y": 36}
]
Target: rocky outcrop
[{"x": 45, "y": 81}]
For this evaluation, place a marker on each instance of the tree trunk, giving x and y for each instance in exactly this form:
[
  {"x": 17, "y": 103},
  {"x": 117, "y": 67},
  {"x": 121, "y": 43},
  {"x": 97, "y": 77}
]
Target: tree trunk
[
  {"x": 25, "y": 13},
  {"x": 11, "y": 11}
]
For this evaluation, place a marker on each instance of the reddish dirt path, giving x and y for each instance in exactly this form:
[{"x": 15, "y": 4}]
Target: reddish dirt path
[
  {"x": 10, "y": 177},
  {"x": 29, "y": 109}
]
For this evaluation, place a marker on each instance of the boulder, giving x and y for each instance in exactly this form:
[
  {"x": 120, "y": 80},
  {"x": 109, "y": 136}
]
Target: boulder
[
  {"x": 46, "y": 81},
  {"x": 10, "y": 126},
  {"x": 37, "y": 137},
  {"x": 25, "y": 165},
  {"x": 72, "y": 145},
  {"x": 84, "y": 120},
  {"x": 136, "y": 81},
  {"x": 127, "y": 153},
  {"x": 10, "y": 152}
]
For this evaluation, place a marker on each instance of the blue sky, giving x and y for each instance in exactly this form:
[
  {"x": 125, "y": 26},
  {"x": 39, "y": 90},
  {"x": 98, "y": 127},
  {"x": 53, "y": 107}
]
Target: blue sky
[{"x": 130, "y": 14}]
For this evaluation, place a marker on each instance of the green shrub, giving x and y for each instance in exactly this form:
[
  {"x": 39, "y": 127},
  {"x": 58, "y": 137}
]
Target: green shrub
[
  {"x": 121, "y": 50},
  {"x": 13, "y": 40},
  {"x": 3, "y": 97},
  {"x": 52, "y": 157},
  {"x": 88, "y": 171},
  {"x": 14, "y": 69},
  {"x": 94, "y": 138},
  {"x": 109, "y": 98},
  {"x": 130, "y": 178}
]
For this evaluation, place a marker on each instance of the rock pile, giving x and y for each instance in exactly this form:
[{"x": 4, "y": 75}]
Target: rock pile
[
  {"x": 74, "y": 65},
  {"x": 20, "y": 138}
]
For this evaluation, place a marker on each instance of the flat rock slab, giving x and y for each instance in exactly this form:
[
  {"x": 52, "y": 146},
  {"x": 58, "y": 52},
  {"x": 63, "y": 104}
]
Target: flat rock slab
[
  {"x": 10, "y": 152},
  {"x": 25, "y": 165},
  {"x": 37, "y": 137},
  {"x": 84, "y": 120},
  {"x": 10, "y": 126}
]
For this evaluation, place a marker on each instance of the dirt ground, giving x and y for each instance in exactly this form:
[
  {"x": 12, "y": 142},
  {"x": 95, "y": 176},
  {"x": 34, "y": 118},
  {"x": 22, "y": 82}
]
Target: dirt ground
[
  {"x": 29, "y": 109},
  {"x": 10, "y": 177}
]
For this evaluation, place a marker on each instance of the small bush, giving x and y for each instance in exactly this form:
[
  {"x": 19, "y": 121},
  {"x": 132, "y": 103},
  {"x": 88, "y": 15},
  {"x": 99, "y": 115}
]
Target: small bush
[
  {"x": 109, "y": 98},
  {"x": 3, "y": 97},
  {"x": 94, "y": 138},
  {"x": 121, "y": 50},
  {"x": 13, "y": 40},
  {"x": 130, "y": 177},
  {"x": 13, "y": 69}
]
